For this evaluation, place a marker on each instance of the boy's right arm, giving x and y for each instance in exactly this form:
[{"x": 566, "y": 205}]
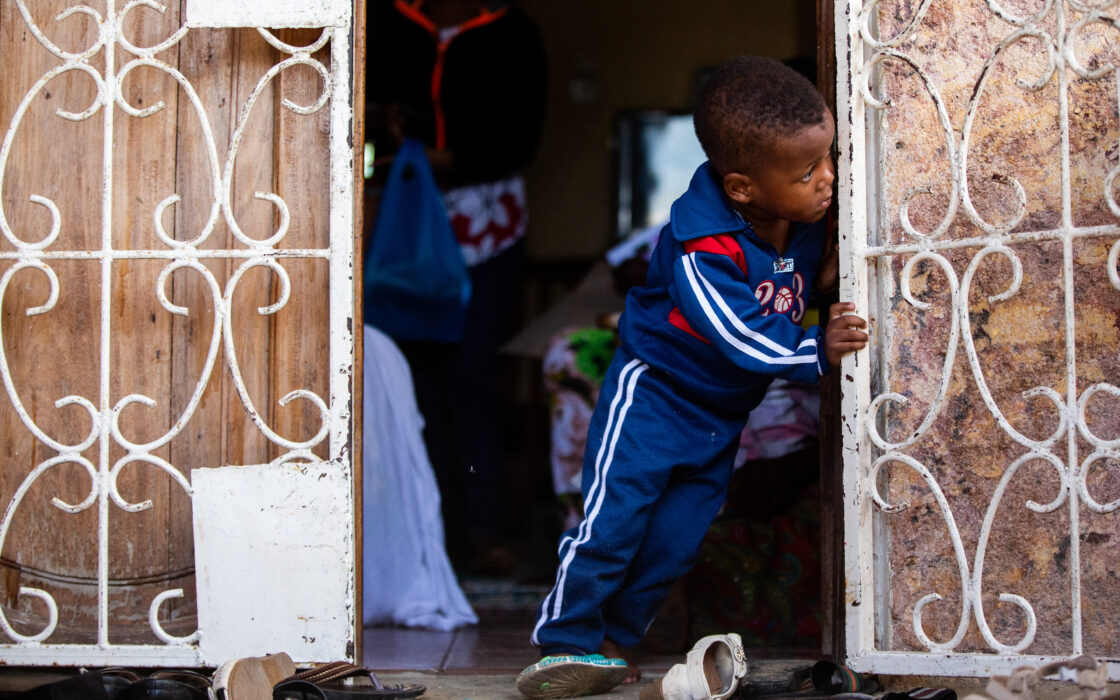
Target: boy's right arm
[{"x": 842, "y": 334}]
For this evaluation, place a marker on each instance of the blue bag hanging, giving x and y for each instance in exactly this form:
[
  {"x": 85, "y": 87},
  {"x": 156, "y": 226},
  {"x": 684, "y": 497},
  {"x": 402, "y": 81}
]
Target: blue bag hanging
[{"x": 416, "y": 283}]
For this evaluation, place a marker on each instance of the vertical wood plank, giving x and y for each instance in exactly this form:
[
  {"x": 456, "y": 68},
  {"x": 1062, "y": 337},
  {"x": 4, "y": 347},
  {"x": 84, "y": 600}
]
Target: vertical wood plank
[
  {"x": 356, "y": 383},
  {"x": 204, "y": 58},
  {"x": 253, "y": 171},
  {"x": 832, "y": 507},
  {"x": 143, "y": 175},
  {"x": 51, "y": 355},
  {"x": 299, "y": 332}
]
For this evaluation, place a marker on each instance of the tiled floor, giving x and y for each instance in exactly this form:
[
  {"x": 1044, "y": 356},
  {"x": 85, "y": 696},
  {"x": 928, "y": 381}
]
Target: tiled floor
[
  {"x": 490, "y": 646},
  {"x": 481, "y": 662},
  {"x": 478, "y": 662},
  {"x": 498, "y": 644}
]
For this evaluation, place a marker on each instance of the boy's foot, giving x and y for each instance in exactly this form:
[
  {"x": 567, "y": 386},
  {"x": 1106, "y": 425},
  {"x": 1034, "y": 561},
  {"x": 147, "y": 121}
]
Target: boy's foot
[
  {"x": 571, "y": 676},
  {"x": 613, "y": 651}
]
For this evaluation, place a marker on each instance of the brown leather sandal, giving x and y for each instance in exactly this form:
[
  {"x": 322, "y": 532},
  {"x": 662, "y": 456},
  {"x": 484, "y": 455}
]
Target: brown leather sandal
[{"x": 341, "y": 681}]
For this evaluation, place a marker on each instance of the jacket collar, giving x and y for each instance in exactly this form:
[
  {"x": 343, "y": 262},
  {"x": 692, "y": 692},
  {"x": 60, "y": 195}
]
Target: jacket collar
[{"x": 704, "y": 209}]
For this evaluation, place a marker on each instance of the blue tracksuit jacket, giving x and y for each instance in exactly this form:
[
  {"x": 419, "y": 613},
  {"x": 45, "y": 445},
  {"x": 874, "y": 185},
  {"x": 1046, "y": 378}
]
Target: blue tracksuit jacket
[
  {"x": 738, "y": 305},
  {"x": 718, "y": 319}
]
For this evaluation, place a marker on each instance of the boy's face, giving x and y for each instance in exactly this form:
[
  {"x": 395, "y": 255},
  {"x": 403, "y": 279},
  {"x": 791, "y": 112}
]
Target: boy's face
[{"x": 793, "y": 182}]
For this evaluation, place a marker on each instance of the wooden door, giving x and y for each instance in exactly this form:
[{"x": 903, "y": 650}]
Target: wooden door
[{"x": 176, "y": 294}]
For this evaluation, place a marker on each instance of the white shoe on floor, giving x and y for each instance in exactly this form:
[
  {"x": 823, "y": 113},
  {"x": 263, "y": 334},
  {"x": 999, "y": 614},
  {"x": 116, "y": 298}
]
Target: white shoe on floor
[{"x": 711, "y": 671}]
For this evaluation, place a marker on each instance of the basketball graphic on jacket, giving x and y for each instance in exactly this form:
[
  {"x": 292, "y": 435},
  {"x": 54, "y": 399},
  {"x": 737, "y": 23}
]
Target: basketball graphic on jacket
[{"x": 783, "y": 300}]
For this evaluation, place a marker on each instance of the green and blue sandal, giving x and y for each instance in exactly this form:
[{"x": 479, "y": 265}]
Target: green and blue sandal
[{"x": 570, "y": 676}]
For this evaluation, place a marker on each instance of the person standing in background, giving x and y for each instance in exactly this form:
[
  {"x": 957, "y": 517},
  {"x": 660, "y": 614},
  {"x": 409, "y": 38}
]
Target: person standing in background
[{"x": 467, "y": 78}]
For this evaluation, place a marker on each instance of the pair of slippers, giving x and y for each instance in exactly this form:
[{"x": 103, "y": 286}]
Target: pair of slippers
[
  {"x": 121, "y": 684},
  {"x": 275, "y": 677},
  {"x": 711, "y": 671},
  {"x": 839, "y": 683},
  {"x": 272, "y": 677}
]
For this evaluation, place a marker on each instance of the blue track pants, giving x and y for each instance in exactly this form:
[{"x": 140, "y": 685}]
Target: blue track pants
[{"x": 655, "y": 473}]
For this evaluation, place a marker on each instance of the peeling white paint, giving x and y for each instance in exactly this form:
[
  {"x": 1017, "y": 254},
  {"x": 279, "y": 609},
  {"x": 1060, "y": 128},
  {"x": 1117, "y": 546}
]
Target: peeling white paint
[{"x": 271, "y": 13}]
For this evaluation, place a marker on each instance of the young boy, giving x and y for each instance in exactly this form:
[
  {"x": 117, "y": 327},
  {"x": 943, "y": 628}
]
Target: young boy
[{"x": 718, "y": 319}]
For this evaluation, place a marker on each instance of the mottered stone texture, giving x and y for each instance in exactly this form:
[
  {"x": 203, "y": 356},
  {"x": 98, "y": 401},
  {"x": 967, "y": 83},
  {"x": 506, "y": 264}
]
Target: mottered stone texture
[{"x": 1014, "y": 135}]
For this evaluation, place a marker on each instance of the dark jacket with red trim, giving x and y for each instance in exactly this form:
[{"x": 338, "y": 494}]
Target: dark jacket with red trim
[
  {"x": 480, "y": 94},
  {"x": 720, "y": 311}
]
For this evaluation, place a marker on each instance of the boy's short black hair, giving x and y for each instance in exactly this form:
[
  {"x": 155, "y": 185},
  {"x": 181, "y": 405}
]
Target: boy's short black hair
[{"x": 745, "y": 103}]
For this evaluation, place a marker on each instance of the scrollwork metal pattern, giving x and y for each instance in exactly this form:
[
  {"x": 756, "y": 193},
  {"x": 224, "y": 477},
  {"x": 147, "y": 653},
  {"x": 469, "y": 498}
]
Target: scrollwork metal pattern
[
  {"x": 1053, "y": 31},
  {"x": 33, "y": 253}
]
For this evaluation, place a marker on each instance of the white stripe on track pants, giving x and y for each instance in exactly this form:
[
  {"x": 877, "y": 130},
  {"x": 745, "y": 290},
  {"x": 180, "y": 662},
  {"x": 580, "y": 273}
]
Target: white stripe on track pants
[{"x": 655, "y": 473}]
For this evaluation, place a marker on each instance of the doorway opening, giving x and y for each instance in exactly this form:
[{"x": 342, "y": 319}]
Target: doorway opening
[{"x": 765, "y": 572}]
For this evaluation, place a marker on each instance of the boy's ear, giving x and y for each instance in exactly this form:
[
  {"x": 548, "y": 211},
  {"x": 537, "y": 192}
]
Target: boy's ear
[{"x": 738, "y": 187}]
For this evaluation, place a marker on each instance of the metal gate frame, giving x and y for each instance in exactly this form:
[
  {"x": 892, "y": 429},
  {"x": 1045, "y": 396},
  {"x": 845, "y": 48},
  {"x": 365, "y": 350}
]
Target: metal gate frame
[
  {"x": 337, "y": 19},
  {"x": 858, "y": 53}
]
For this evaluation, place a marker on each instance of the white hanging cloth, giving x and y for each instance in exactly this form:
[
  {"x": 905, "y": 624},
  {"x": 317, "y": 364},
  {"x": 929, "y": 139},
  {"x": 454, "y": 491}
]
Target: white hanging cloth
[{"x": 407, "y": 578}]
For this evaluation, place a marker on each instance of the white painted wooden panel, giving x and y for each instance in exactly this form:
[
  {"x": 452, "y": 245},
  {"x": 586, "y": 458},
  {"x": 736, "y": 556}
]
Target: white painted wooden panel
[{"x": 270, "y": 542}]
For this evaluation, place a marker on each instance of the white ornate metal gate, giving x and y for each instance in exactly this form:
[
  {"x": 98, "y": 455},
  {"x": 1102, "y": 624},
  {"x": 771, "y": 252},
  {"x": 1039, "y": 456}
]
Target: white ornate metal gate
[
  {"x": 220, "y": 266},
  {"x": 979, "y": 208}
]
